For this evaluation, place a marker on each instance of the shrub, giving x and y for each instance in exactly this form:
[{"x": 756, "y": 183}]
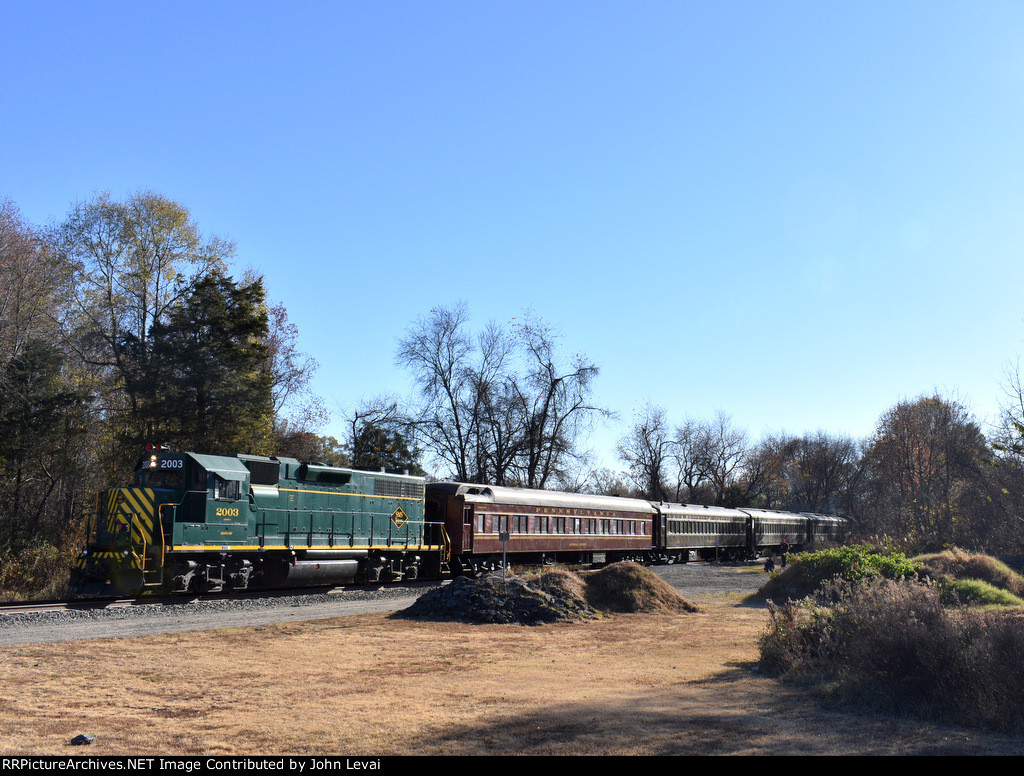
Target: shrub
[
  {"x": 807, "y": 571},
  {"x": 890, "y": 644},
  {"x": 957, "y": 564},
  {"x": 40, "y": 571}
]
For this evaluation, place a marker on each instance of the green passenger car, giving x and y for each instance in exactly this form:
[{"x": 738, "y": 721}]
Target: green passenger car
[{"x": 205, "y": 523}]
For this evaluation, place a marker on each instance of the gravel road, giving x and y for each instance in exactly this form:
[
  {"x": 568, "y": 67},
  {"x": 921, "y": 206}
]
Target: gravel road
[{"x": 695, "y": 581}]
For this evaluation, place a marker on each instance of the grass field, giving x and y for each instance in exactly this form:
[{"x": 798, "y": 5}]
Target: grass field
[{"x": 369, "y": 685}]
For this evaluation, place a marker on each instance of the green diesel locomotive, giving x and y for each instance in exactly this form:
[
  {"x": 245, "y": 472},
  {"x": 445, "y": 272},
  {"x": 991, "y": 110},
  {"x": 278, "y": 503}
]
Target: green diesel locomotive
[{"x": 205, "y": 523}]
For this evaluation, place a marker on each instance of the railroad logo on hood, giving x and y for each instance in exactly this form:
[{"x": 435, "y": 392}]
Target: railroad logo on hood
[{"x": 398, "y": 517}]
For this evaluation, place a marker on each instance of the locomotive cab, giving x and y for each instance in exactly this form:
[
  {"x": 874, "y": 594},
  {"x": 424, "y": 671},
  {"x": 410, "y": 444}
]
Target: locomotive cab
[
  {"x": 175, "y": 499},
  {"x": 214, "y": 506},
  {"x": 127, "y": 533}
]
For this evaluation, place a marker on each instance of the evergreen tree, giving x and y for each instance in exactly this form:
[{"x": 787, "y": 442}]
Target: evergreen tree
[
  {"x": 377, "y": 447},
  {"x": 212, "y": 391}
]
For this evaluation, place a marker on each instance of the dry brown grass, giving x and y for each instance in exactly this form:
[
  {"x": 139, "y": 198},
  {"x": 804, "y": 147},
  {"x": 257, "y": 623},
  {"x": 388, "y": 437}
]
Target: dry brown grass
[
  {"x": 629, "y": 587},
  {"x": 960, "y": 564},
  {"x": 374, "y": 685}
]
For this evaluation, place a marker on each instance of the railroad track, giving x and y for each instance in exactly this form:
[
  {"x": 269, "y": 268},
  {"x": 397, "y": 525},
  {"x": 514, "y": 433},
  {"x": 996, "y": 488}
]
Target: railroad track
[{"x": 27, "y": 607}]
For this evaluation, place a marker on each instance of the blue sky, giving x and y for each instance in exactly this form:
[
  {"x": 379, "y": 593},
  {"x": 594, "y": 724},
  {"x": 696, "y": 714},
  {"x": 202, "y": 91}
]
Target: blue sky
[{"x": 798, "y": 213}]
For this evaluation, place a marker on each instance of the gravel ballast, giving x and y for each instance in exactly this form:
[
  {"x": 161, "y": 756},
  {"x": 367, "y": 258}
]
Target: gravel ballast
[{"x": 695, "y": 581}]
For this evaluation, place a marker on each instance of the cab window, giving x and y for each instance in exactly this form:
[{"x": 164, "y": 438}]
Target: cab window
[
  {"x": 228, "y": 490},
  {"x": 158, "y": 479}
]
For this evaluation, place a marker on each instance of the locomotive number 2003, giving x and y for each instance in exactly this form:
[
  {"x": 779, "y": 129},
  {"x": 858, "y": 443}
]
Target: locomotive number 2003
[{"x": 227, "y": 512}]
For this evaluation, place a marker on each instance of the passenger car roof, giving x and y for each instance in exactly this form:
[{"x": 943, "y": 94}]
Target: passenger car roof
[{"x": 498, "y": 494}]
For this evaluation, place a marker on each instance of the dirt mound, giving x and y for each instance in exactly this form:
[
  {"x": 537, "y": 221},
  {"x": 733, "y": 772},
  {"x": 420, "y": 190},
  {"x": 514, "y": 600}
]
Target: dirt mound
[
  {"x": 628, "y": 587},
  {"x": 496, "y": 600},
  {"x": 552, "y": 596}
]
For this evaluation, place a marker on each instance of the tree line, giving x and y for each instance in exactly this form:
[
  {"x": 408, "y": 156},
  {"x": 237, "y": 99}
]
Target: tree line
[
  {"x": 123, "y": 325},
  {"x": 501, "y": 406},
  {"x": 927, "y": 477}
]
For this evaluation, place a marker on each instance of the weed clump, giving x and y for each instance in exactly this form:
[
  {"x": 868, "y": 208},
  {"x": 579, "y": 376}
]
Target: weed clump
[
  {"x": 807, "y": 571},
  {"x": 890, "y": 645},
  {"x": 39, "y": 571},
  {"x": 971, "y": 578}
]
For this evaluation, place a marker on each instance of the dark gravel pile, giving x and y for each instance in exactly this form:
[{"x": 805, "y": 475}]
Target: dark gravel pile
[{"x": 494, "y": 600}]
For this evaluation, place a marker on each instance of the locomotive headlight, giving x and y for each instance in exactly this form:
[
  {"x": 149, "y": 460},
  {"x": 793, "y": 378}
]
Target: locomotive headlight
[{"x": 152, "y": 462}]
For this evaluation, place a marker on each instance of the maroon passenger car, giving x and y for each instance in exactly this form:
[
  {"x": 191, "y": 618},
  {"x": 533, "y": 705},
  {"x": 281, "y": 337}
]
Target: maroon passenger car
[{"x": 536, "y": 526}]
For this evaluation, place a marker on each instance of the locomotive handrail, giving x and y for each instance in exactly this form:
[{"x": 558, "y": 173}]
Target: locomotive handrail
[
  {"x": 163, "y": 536},
  {"x": 139, "y": 560},
  {"x": 446, "y": 543},
  {"x": 387, "y": 537}
]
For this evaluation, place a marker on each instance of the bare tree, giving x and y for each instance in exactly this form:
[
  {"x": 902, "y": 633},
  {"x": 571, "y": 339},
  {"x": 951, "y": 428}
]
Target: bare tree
[
  {"x": 1008, "y": 433},
  {"x": 556, "y": 405},
  {"x": 646, "y": 450},
  {"x": 722, "y": 450},
  {"x": 826, "y": 473},
  {"x": 499, "y": 424},
  {"x": 607, "y": 482},
  {"x": 691, "y": 462},
  {"x": 706, "y": 458},
  {"x": 498, "y": 407},
  {"x": 27, "y": 289},
  {"x": 47, "y": 435},
  {"x": 296, "y": 407},
  {"x": 438, "y": 352},
  {"x": 767, "y": 472}
]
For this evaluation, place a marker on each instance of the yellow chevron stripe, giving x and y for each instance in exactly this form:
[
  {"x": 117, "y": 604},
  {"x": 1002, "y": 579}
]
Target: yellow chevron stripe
[
  {"x": 140, "y": 498},
  {"x": 139, "y": 502},
  {"x": 126, "y": 503},
  {"x": 112, "y": 497}
]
